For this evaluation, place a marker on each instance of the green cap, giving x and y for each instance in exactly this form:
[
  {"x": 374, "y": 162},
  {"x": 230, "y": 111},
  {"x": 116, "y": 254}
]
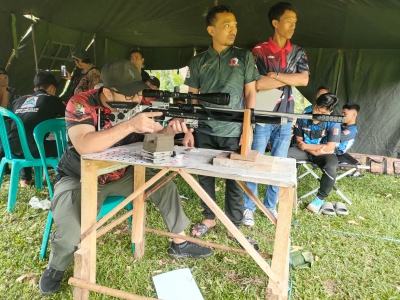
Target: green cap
[{"x": 122, "y": 75}]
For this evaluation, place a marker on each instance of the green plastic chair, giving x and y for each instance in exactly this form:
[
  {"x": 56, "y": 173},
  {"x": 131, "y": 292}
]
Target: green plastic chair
[
  {"x": 16, "y": 163},
  {"x": 58, "y": 128}
]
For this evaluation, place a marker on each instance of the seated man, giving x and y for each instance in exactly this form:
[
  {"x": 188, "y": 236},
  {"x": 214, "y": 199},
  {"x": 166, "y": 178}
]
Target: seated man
[
  {"x": 316, "y": 142},
  {"x": 33, "y": 109},
  {"x": 123, "y": 83},
  {"x": 321, "y": 90},
  {"x": 349, "y": 129}
]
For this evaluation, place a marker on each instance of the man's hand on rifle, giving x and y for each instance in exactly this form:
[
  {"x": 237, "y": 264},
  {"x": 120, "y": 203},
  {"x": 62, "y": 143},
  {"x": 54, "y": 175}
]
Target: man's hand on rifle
[
  {"x": 176, "y": 126},
  {"x": 188, "y": 140},
  {"x": 142, "y": 123}
]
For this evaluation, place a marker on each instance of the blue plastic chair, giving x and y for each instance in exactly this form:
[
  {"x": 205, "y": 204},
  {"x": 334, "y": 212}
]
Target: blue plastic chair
[
  {"x": 16, "y": 163},
  {"x": 58, "y": 128}
]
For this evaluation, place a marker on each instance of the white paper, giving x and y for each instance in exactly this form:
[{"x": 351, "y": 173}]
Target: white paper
[
  {"x": 177, "y": 285},
  {"x": 266, "y": 100}
]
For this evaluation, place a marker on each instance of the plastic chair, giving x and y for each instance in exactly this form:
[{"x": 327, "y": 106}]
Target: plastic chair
[
  {"x": 58, "y": 128},
  {"x": 16, "y": 163}
]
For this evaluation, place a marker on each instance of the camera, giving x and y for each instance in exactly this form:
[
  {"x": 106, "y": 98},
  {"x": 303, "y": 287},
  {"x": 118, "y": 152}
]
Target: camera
[{"x": 63, "y": 71}]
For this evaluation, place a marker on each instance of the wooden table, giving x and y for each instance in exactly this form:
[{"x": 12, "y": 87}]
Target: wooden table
[{"x": 271, "y": 170}]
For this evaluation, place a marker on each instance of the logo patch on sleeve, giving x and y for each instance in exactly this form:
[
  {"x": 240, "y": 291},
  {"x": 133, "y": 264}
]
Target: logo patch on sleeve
[
  {"x": 346, "y": 132},
  {"x": 78, "y": 108},
  {"x": 335, "y": 131}
]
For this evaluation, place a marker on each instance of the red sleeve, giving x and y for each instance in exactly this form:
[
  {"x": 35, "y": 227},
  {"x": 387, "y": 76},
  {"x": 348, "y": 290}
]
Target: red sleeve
[{"x": 79, "y": 112}]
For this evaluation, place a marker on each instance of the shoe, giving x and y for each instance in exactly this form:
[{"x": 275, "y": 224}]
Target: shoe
[
  {"x": 315, "y": 205},
  {"x": 248, "y": 217},
  {"x": 251, "y": 241},
  {"x": 26, "y": 183},
  {"x": 50, "y": 281},
  {"x": 274, "y": 213},
  {"x": 188, "y": 250}
]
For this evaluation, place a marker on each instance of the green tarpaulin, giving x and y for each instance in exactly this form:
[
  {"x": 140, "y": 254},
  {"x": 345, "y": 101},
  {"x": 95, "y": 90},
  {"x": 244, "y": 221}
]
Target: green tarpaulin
[{"x": 353, "y": 46}]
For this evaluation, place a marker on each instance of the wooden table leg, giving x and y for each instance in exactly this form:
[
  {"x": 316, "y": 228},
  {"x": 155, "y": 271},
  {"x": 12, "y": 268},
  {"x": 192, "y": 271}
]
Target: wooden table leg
[
  {"x": 139, "y": 212},
  {"x": 280, "y": 256},
  {"x": 232, "y": 228},
  {"x": 86, "y": 269}
]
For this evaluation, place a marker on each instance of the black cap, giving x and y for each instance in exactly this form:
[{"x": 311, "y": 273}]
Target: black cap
[
  {"x": 153, "y": 80},
  {"x": 78, "y": 54},
  {"x": 122, "y": 75},
  {"x": 3, "y": 71}
]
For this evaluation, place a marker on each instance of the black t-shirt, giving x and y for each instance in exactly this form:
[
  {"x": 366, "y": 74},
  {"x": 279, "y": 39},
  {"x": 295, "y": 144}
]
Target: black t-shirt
[
  {"x": 145, "y": 75},
  {"x": 32, "y": 110}
]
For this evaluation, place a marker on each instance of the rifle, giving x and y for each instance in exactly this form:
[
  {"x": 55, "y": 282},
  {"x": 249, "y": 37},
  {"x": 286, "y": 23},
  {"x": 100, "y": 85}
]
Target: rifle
[{"x": 193, "y": 113}]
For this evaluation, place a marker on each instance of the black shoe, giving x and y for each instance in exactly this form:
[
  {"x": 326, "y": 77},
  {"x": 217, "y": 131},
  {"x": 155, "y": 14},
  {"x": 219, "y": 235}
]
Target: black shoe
[
  {"x": 50, "y": 281},
  {"x": 188, "y": 249}
]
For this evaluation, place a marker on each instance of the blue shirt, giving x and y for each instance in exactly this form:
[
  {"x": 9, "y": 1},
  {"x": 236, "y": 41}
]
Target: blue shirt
[
  {"x": 317, "y": 134},
  {"x": 347, "y": 138}
]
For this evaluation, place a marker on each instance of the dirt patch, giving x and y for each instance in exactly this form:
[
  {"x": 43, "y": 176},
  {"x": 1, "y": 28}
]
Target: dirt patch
[{"x": 330, "y": 287}]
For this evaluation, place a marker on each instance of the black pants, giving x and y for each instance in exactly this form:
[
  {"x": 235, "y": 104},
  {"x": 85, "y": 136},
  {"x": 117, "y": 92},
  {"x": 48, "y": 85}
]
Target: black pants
[
  {"x": 50, "y": 148},
  {"x": 233, "y": 192},
  {"x": 327, "y": 163}
]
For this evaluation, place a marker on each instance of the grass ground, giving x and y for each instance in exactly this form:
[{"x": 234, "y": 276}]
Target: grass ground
[{"x": 347, "y": 266}]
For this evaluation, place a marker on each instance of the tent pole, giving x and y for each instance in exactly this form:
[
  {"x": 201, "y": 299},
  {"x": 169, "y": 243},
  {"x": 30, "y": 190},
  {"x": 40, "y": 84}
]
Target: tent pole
[{"x": 34, "y": 48}]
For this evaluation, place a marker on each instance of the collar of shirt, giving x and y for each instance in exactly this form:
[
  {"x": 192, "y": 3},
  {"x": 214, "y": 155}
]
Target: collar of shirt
[
  {"x": 212, "y": 52},
  {"x": 39, "y": 91},
  {"x": 284, "y": 51}
]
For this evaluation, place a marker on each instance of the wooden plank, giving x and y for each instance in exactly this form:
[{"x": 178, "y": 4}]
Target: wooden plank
[
  {"x": 81, "y": 267},
  {"x": 246, "y": 133},
  {"x": 105, "y": 290},
  {"x": 139, "y": 212},
  {"x": 263, "y": 163},
  {"x": 229, "y": 225},
  {"x": 201, "y": 242},
  {"x": 260, "y": 205},
  {"x": 128, "y": 199},
  {"x": 280, "y": 260},
  {"x": 252, "y": 155},
  {"x": 89, "y": 211},
  {"x": 126, "y": 215}
]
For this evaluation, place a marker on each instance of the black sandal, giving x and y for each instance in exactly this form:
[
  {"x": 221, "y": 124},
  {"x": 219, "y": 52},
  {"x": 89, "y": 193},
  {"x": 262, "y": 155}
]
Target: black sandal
[{"x": 202, "y": 228}]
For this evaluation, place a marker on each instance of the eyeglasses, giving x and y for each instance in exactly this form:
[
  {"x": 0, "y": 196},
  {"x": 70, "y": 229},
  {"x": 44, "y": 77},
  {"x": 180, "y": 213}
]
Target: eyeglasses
[{"x": 128, "y": 97}]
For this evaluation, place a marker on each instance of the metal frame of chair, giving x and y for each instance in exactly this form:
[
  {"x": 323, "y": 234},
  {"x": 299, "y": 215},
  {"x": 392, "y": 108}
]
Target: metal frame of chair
[
  {"x": 350, "y": 165},
  {"x": 16, "y": 163}
]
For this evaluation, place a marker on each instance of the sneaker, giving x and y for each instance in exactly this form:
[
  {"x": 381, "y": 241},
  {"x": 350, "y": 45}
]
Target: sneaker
[
  {"x": 248, "y": 217},
  {"x": 188, "y": 250},
  {"x": 315, "y": 205},
  {"x": 274, "y": 213},
  {"x": 50, "y": 281}
]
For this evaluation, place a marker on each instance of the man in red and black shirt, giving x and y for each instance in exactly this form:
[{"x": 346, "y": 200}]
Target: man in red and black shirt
[
  {"x": 122, "y": 83},
  {"x": 281, "y": 66}
]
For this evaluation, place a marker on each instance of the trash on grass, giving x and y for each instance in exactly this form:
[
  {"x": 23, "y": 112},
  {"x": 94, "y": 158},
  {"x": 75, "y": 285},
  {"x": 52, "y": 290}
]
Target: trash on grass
[{"x": 36, "y": 203}]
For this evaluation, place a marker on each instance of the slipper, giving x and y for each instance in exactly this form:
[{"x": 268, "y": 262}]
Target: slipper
[
  {"x": 250, "y": 240},
  {"x": 202, "y": 228},
  {"x": 341, "y": 209},
  {"x": 328, "y": 209}
]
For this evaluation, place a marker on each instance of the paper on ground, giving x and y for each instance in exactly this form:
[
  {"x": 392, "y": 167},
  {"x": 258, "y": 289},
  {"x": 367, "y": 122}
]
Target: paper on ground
[{"x": 177, "y": 285}]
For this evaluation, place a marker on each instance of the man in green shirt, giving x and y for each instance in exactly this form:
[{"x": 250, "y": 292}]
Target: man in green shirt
[{"x": 226, "y": 69}]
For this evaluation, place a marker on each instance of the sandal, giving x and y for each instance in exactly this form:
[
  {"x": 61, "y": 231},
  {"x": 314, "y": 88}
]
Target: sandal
[
  {"x": 250, "y": 240},
  {"x": 202, "y": 228}
]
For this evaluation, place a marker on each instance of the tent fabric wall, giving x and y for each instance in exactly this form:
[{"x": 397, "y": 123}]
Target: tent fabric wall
[
  {"x": 168, "y": 32},
  {"x": 371, "y": 79}
]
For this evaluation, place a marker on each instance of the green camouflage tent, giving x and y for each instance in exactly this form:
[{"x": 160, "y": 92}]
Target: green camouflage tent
[{"x": 353, "y": 46}]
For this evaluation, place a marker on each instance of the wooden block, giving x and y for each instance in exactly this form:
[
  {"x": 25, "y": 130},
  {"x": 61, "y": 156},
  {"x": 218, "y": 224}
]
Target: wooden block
[
  {"x": 81, "y": 271},
  {"x": 263, "y": 163},
  {"x": 252, "y": 155}
]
